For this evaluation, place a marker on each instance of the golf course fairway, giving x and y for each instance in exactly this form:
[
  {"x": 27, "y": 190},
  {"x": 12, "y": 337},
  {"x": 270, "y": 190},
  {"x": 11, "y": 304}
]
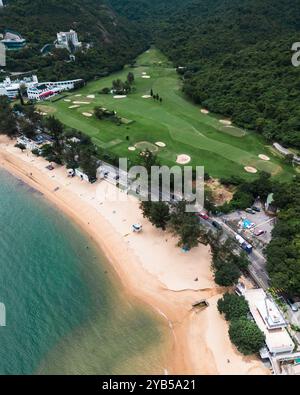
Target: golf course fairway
[{"x": 183, "y": 127}]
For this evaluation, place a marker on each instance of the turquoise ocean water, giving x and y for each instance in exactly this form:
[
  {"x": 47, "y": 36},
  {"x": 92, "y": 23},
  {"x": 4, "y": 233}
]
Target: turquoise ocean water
[{"x": 65, "y": 311}]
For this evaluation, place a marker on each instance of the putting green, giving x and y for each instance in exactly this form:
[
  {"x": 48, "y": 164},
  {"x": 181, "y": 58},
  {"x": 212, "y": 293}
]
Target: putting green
[{"x": 222, "y": 150}]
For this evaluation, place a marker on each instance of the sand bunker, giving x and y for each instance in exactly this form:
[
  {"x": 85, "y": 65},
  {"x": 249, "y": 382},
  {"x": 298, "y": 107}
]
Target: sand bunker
[
  {"x": 87, "y": 114},
  {"x": 146, "y": 76},
  {"x": 250, "y": 169},
  {"x": 183, "y": 159},
  {"x": 263, "y": 157},
  {"x": 75, "y": 106},
  {"x": 144, "y": 73},
  {"x": 146, "y": 97},
  {"x": 91, "y": 96},
  {"x": 225, "y": 122},
  {"x": 120, "y": 96},
  {"x": 204, "y": 111},
  {"x": 67, "y": 100},
  {"x": 160, "y": 144},
  {"x": 79, "y": 95},
  {"x": 131, "y": 148},
  {"x": 81, "y": 102}
]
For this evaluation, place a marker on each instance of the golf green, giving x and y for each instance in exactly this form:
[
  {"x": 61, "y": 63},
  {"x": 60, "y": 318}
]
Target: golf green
[{"x": 223, "y": 149}]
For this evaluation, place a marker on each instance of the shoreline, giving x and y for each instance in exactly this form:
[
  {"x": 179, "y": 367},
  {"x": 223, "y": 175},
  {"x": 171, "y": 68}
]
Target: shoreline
[{"x": 149, "y": 265}]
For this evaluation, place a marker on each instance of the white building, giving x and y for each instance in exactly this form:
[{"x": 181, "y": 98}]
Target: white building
[
  {"x": 46, "y": 90},
  {"x": 10, "y": 87},
  {"x": 35, "y": 90},
  {"x": 270, "y": 321},
  {"x": 13, "y": 40},
  {"x": 64, "y": 39}
]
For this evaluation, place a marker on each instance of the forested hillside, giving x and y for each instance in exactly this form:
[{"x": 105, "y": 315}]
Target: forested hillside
[
  {"x": 237, "y": 54},
  {"x": 113, "y": 39}
]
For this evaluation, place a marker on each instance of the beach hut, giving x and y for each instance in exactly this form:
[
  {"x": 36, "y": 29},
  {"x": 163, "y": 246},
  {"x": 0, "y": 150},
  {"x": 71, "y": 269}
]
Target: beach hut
[
  {"x": 137, "y": 228},
  {"x": 79, "y": 173},
  {"x": 71, "y": 172}
]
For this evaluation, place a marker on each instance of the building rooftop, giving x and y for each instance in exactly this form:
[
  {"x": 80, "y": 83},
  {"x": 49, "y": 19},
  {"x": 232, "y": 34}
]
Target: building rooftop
[{"x": 270, "y": 321}]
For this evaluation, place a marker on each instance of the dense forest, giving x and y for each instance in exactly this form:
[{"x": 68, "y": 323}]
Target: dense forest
[
  {"x": 283, "y": 253},
  {"x": 112, "y": 39},
  {"x": 236, "y": 57}
]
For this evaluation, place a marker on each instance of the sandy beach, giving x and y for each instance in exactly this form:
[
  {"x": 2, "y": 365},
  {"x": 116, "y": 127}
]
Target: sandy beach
[{"x": 149, "y": 265}]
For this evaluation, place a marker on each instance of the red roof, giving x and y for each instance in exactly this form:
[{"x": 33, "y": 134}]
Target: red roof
[{"x": 46, "y": 94}]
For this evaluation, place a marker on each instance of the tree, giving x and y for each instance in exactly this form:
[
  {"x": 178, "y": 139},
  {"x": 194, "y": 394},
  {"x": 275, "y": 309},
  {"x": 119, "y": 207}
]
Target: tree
[
  {"x": 285, "y": 246},
  {"x": 226, "y": 262},
  {"x": 233, "y": 307},
  {"x": 56, "y": 129},
  {"x": 158, "y": 213},
  {"x": 226, "y": 273},
  {"x": 105, "y": 91},
  {"x": 186, "y": 226},
  {"x": 130, "y": 78},
  {"x": 21, "y": 146},
  {"x": 148, "y": 159},
  {"x": 99, "y": 112},
  {"x": 49, "y": 153},
  {"x": 20, "y": 95},
  {"x": 246, "y": 336},
  {"x": 8, "y": 119},
  {"x": 70, "y": 153},
  {"x": 126, "y": 87},
  {"x": 118, "y": 86},
  {"x": 151, "y": 93},
  {"x": 88, "y": 161},
  {"x": 145, "y": 206},
  {"x": 26, "y": 127}
]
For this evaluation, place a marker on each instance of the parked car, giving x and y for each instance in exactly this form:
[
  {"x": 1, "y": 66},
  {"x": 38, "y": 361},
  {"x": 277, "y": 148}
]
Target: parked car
[
  {"x": 250, "y": 211},
  {"x": 217, "y": 225},
  {"x": 292, "y": 304},
  {"x": 204, "y": 216},
  {"x": 255, "y": 208},
  {"x": 259, "y": 232}
]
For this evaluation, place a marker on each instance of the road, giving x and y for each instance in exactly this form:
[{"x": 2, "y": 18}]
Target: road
[{"x": 257, "y": 267}]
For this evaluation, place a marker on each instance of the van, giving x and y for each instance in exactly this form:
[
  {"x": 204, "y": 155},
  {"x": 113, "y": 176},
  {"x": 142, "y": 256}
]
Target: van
[{"x": 217, "y": 225}]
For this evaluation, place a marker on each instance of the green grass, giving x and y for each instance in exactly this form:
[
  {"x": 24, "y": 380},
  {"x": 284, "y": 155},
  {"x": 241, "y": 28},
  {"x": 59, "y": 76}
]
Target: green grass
[{"x": 176, "y": 121}]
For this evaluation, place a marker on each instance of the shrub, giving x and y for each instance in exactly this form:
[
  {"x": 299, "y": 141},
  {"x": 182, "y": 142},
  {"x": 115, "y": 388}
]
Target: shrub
[
  {"x": 233, "y": 307},
  {"x": 246, "y": 336}
]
